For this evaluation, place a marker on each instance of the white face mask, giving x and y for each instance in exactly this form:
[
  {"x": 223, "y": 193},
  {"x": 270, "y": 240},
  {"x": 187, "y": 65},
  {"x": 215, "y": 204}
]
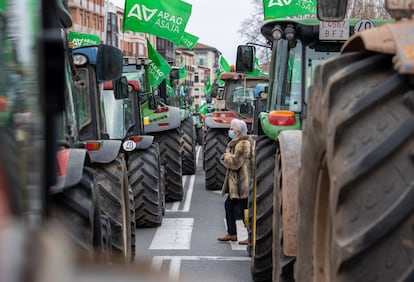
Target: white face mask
[{"x": 232, "y": 134}]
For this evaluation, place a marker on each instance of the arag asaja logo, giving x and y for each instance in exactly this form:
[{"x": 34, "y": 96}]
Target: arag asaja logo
[
  {"x": 164, "y": 20},
  {"x": 279, "y": 3},
  {"x": 141, "y": 13}
]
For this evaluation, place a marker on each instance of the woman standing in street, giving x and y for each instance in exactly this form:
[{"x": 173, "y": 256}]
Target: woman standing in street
[{"x": 237, "y": 180}]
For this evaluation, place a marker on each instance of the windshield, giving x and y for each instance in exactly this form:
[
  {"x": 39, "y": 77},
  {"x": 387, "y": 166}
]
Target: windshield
[
  {"x": 119, "y": 115},
  {"x": 287, "y": 82},
  {"x": 240, "y": 98},
  {"x": 81, "y": 94}
]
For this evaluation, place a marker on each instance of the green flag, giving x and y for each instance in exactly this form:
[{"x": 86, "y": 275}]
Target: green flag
[
  {"x": 283, "y": 8},
  {"x": 170, "y": 90},
  {"x": 207, "y": 88},
  {"x": 166, "y": 19},
  {"x": 188, "y": 40},
  {"x": 256, "y": 71},
  {"x": 77, "y": 39},
  {"x": 182, "y": 70},
  {"x": 158, "y": 68},
  {"x": 222, "y": 67}
]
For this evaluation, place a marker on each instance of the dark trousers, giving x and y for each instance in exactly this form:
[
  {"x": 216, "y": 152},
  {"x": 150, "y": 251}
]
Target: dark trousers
[{"x": 234, "y": 210}]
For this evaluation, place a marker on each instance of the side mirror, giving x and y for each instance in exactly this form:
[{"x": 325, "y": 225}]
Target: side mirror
[
  {"x": 331, "y": 10},
  {"x": 246, "y": 55},
  {"x": 152, "y": 103},
  {"x": 121, "y": 88},
  {"x": 109, "y": 63}
]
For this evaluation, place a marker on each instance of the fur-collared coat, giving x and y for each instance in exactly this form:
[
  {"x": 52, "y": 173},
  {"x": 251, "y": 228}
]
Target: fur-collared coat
[{"x": 237, "y": 162}]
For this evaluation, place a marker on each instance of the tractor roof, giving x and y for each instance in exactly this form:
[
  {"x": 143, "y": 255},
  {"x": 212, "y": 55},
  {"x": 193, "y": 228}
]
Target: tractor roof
[{"x": 238, "y": 76}]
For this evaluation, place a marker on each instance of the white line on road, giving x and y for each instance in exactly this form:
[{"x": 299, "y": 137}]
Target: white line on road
[
  {"x": 187, "y": 201},
  {"x": 173, "y": 234},
  {"x": 157, "y": 259}
]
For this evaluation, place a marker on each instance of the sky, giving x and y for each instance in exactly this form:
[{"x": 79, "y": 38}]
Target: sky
[{"x": 216, "y": 23}]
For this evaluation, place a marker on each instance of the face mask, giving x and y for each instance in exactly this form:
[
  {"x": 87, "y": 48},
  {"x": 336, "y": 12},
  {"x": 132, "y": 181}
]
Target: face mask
[{"x": 231, "y": 134}]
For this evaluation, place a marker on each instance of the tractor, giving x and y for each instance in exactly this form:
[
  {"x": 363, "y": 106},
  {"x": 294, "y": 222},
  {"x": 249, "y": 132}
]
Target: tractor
[
  {"x": 297, "y": 48},
  {"x": 355, "y": 207},
  {"x": 124, "y": 122},
  {"x": 106, "y": 155},
  {"x": 236, "y": 101},
  {"x": 164, "y": 123}
]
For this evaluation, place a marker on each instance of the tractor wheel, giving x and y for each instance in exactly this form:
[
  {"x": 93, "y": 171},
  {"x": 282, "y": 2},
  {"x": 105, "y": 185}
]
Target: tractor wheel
[
  {"x": 215, "y": 145},
  {"x": 115, "y": 201},
  {"x": 261, "y": 233},
  {"x": 356, "y": 212},
  {"x": 106, "y": 239},
  {"x": 77, "y": 209},
  {"x": 188, "y": 146},
  {"x": 282, "y": 264},
  {"x": 144, "y": 173},
  {"x": 170, "y": 154}
]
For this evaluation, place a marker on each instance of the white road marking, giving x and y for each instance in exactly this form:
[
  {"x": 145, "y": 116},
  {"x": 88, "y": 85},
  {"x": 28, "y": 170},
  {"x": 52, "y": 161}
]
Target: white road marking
[
  {"x": 187, "y": 201},
  {"x": 241, "y": 235},
  {"x": 173, "y": 234},
  {"x": 175, "y": 266}
]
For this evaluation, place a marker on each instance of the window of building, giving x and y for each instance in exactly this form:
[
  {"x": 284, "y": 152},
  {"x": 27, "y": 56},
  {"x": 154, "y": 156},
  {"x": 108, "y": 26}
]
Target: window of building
[{"x": 196, "y": 77}]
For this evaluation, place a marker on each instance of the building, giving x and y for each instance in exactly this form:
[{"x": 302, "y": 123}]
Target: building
[
  {"x": 88, "y": 16},
  {"x": 208, "y": 57}
]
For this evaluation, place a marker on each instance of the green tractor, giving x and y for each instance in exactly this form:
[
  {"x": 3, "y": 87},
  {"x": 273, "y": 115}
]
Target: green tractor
[
  {"x": 164, "y": 123},
  {"x": 298, "y": 47},
  {"x": 355, "y": 206},
  {"x": 236, "y": 101}
]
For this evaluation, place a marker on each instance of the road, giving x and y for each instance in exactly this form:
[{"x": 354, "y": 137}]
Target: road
[{"x": 185, "y": 246}]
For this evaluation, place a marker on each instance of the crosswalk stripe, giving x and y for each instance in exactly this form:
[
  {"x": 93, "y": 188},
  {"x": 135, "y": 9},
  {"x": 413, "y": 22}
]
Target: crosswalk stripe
[{"x": 173, "y": 234}]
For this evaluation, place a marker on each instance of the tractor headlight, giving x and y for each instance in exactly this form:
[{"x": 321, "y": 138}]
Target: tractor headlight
[{"x": 79, "y": 60}]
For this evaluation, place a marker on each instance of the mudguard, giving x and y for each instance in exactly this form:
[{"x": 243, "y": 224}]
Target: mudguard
[
  {"x": 174, "y": 121},
  {"x": 290, "y": 144},
  {"x": 211, "y": 123},
  {"x": 70, "y": 163},
  {"x": 108, "y": 151},
  {"x": 144, "y": 143},
  {"x": 393, "y": 38}
]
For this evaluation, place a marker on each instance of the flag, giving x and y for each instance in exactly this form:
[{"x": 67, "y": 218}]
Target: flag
[
  {"x": 283, "y": 8},
  {"x": 256, "y": 71},
  {"x": 223, "y": 66},
  {"x": 207, "y": 88},
  {"x": 158, "y": 68},
  {"x": 170, "y": 90},
  {"x": 188, "y": 40},
  {"x": 77, "y": 39},
  {"x": 182, "y": 70},
  {"x": 165, "y": 19}
]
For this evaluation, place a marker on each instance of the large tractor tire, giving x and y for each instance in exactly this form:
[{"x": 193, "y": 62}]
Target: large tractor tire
[
  {"x": 262, "y": 211},
  {"x": 188, "y": 141},
  {"x": 116, "y": 200},
  {"x": 282, "y": 264},
  {"x": 144, "y": 172},
  {"x": 199, "y": 134},
  {"x": 356, "y": 212},
  {"x": 170, "y": 154},
  {"x": 77, "y": 209},
  {"x": 215, "y": 145}
]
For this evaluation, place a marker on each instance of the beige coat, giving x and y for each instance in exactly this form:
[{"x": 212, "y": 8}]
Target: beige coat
[{"x": 237, "y": 162}]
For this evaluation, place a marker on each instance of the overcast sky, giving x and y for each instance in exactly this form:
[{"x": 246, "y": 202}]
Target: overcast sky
[{"x": 216, "y": 23}]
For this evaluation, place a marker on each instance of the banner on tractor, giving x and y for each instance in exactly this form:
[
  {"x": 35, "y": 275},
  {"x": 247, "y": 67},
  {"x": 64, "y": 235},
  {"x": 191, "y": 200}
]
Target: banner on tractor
[
  {"x": 170, "y": 90},
  {"x": 158, "y": 67},
  {"x": 283, "y": 8},
  {"x": 256, "y": 71},
  {"x": 165, "y": 19},
  {"x": 188, "y": 40},
  {"x": 207, "y": 88},
  {"x": 77, "y": 39}
]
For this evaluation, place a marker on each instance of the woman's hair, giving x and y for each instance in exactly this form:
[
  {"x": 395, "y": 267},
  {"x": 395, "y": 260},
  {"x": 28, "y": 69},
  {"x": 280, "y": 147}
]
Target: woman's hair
[{"x": 239, "y": 125}]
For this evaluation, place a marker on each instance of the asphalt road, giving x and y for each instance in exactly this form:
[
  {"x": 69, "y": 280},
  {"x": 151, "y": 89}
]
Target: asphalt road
[{"x": 185, "y": 246}]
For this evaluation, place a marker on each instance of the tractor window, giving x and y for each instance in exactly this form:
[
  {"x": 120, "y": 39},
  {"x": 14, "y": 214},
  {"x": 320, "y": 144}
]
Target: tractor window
[
  {"x": 240, "y": 98},
  {"x": 81, "y": 87},
  {"x": 119, "y": 114}
]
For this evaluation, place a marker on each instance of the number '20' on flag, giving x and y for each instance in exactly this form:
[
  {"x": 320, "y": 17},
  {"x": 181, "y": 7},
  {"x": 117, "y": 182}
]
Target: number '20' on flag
[
  {"x": 283, "y": 8},
  {"x": 165, "y": 19},
  {"x": 158, "y": 68}
]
